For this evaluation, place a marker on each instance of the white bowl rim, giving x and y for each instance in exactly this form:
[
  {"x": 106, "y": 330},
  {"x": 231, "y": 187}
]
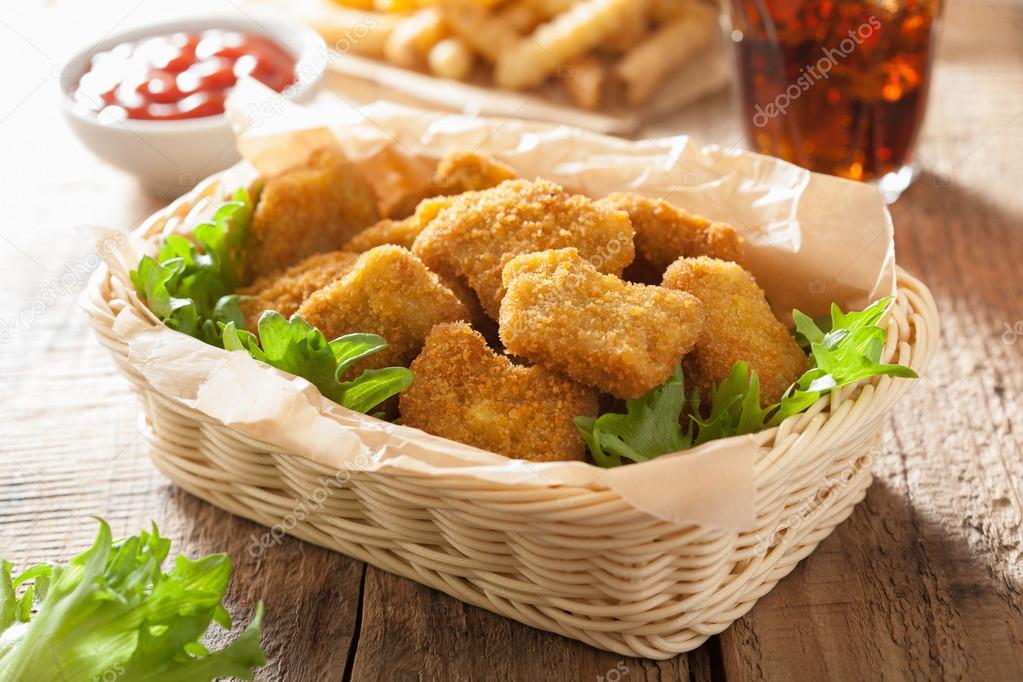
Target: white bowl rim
[{"x": 310, "y": 62}]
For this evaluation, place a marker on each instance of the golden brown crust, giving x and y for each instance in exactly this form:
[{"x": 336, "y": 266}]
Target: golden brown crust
[
  {"x": 285, "y": 291},
  {"x": 312, "y": 209},
  {"x": 625, "y": 339},
  {"x": 468, "y": 171},
  {"x": 665, "y": 233},
  {"x": 478, "y": 232},
  {"x": 464, "y": 391},
  {"x": 739, "y": 326},
  {"x": 387, "y": 292},
  {"x": 398, "y": 232},
  {"x": 457, "y": 172}
]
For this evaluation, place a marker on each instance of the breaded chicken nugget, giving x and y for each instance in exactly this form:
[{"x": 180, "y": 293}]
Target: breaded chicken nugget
[
  {"x": 398, "y": 232},
  {"x": 478, "y": 317},
  {"x": 458, "y": 172},
  {"x": 468, "y": 171},
  {"x": 387, "y": 292},
  {"x": 285, "y": 291},
  {"x": 740, "y": 326},
  {"x": 312, "y": 209},
  {"x": 478, "y": 232},
  {"x": 665, "y": 233},
  {"x": 625, "y": 339},
  {"x": 466, "y": 392}
]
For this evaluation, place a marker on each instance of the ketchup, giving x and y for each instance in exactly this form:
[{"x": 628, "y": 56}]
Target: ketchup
[{"x": 181, "y": 75}]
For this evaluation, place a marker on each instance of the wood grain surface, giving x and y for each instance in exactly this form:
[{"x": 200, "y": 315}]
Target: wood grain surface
[{"x": 923, "y": 582}]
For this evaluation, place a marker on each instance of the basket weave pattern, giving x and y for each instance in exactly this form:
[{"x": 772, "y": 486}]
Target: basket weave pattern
[{"x": 575, "y": 561}]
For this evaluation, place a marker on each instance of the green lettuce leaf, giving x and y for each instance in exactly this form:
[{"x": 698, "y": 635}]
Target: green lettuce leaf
[
  {"x": 843, "y": 350},
  {"x": 112, "y": 613},
  {"x": 650, "y": 426},
  {"x": 190, "y": 285},
  {"x": 297, "y": 347}
]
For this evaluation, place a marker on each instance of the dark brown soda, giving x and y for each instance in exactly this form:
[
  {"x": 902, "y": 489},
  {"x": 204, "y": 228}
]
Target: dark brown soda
[{"x": 837, "y": 87}]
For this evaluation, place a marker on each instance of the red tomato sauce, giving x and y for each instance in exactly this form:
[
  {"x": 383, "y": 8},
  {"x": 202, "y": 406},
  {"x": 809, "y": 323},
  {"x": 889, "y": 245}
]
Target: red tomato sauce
[{"x": 181, "y": 75}]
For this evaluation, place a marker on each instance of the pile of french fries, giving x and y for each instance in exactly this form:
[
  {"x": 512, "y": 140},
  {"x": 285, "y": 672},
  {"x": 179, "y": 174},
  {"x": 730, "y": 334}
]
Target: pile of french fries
[{"x": 598, "y": 52}]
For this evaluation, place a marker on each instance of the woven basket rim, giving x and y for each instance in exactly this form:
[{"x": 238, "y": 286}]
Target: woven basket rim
[{"x": 98, "y": 299}]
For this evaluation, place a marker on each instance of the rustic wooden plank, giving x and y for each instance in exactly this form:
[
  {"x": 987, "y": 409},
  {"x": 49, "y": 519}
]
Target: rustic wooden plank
[{"x": 412, "y": 632}]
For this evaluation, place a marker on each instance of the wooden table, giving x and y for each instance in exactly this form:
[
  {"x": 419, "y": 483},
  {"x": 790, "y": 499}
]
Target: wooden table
[{"x": 924, "y": 581}]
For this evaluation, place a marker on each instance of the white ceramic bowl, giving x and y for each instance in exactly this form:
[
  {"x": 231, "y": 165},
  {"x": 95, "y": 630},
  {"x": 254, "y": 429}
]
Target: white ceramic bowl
[{"x": 169, "y": 157}]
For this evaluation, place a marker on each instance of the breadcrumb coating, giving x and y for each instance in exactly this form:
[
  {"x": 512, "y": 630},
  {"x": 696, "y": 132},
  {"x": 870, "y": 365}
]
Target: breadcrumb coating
[
  {"x": 478, "y": 232},
  {"x": 665, "y": 233},
  {"x": 625, "y": 339},
  {"x": 468, "y": 171},
  {"x": 312, "y": 209},
  {"x": 387, "y": 292},
  {"x": 459, "y": 171},
  {"x": 398, "y": 232},
  {"x": 466, "y": 392},
  {"x": 739, "y": 326},
  {"x": 285, "y": 291},
  {"x": 403, "y": 233}
]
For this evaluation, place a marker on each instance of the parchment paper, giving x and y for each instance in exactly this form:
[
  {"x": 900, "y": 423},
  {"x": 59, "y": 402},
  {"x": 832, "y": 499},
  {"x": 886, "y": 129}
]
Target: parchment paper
[{"x": 812, "y": 239}]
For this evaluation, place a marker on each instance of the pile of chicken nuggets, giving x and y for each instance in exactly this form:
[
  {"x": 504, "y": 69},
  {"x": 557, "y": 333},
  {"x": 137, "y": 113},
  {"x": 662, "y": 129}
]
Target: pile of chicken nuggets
[{"x": 518, "y": 304}]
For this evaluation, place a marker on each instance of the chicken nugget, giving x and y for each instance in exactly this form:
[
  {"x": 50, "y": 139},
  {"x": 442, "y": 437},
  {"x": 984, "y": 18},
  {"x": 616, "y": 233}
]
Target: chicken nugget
[
  {"x": 312, "y": 209},
  {"x": 457, "y": 172},
  {"x": 739, "y": 326},
  {"x": 468, "y": 171},
  {"x": 478, "y": 232},
  {"x": 398, "y": 232},
  {"x": 285, "y": 291},
  {"x": 403, "y": 233},
  {"x": 387, "y": 292},
  {"x": 625, "y": 339},
  {"x": 665, "y": 233},
  {"x": 466, "y": 392}
]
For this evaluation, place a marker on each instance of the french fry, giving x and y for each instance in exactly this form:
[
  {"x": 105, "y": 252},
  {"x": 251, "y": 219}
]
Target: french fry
[
  {"x": 646, "y": 66},
  {"x": 481, "y": 30},
  {"x": 521, "y": 15},
  {"x": 666, "y": 10},
  {"x": 633, "y": 31},
  {"x": 551, "y": 8},
  {"x": 451, "y": 58},
  {"x": 534, "y": 58},
  {"x": 584, "y": 82},
  {"x": 395, "y": 6},
  {"x": 413, "y": 36},
  {"x": 356, "y": 4},
  {"x": 351, "y": 30}
]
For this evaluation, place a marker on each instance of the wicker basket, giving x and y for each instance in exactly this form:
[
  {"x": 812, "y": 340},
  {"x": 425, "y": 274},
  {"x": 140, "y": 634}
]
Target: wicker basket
[{"x": 575, "y": 561}]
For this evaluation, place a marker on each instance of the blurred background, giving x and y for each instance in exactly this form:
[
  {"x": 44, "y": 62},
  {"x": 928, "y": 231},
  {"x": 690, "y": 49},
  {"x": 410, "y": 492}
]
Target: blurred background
[{"x": 959, "y": 226}]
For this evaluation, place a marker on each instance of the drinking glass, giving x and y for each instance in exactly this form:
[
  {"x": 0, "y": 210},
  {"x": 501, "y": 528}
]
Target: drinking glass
[{"x": 836, "y": 86}]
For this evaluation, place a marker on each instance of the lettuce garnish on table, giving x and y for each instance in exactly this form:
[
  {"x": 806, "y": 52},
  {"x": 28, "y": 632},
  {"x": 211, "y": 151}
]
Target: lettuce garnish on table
[
  {"x": 190, "y": 286},
  {"x": 666, "y": 420},
  {"x": 112, "y": 613}
]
